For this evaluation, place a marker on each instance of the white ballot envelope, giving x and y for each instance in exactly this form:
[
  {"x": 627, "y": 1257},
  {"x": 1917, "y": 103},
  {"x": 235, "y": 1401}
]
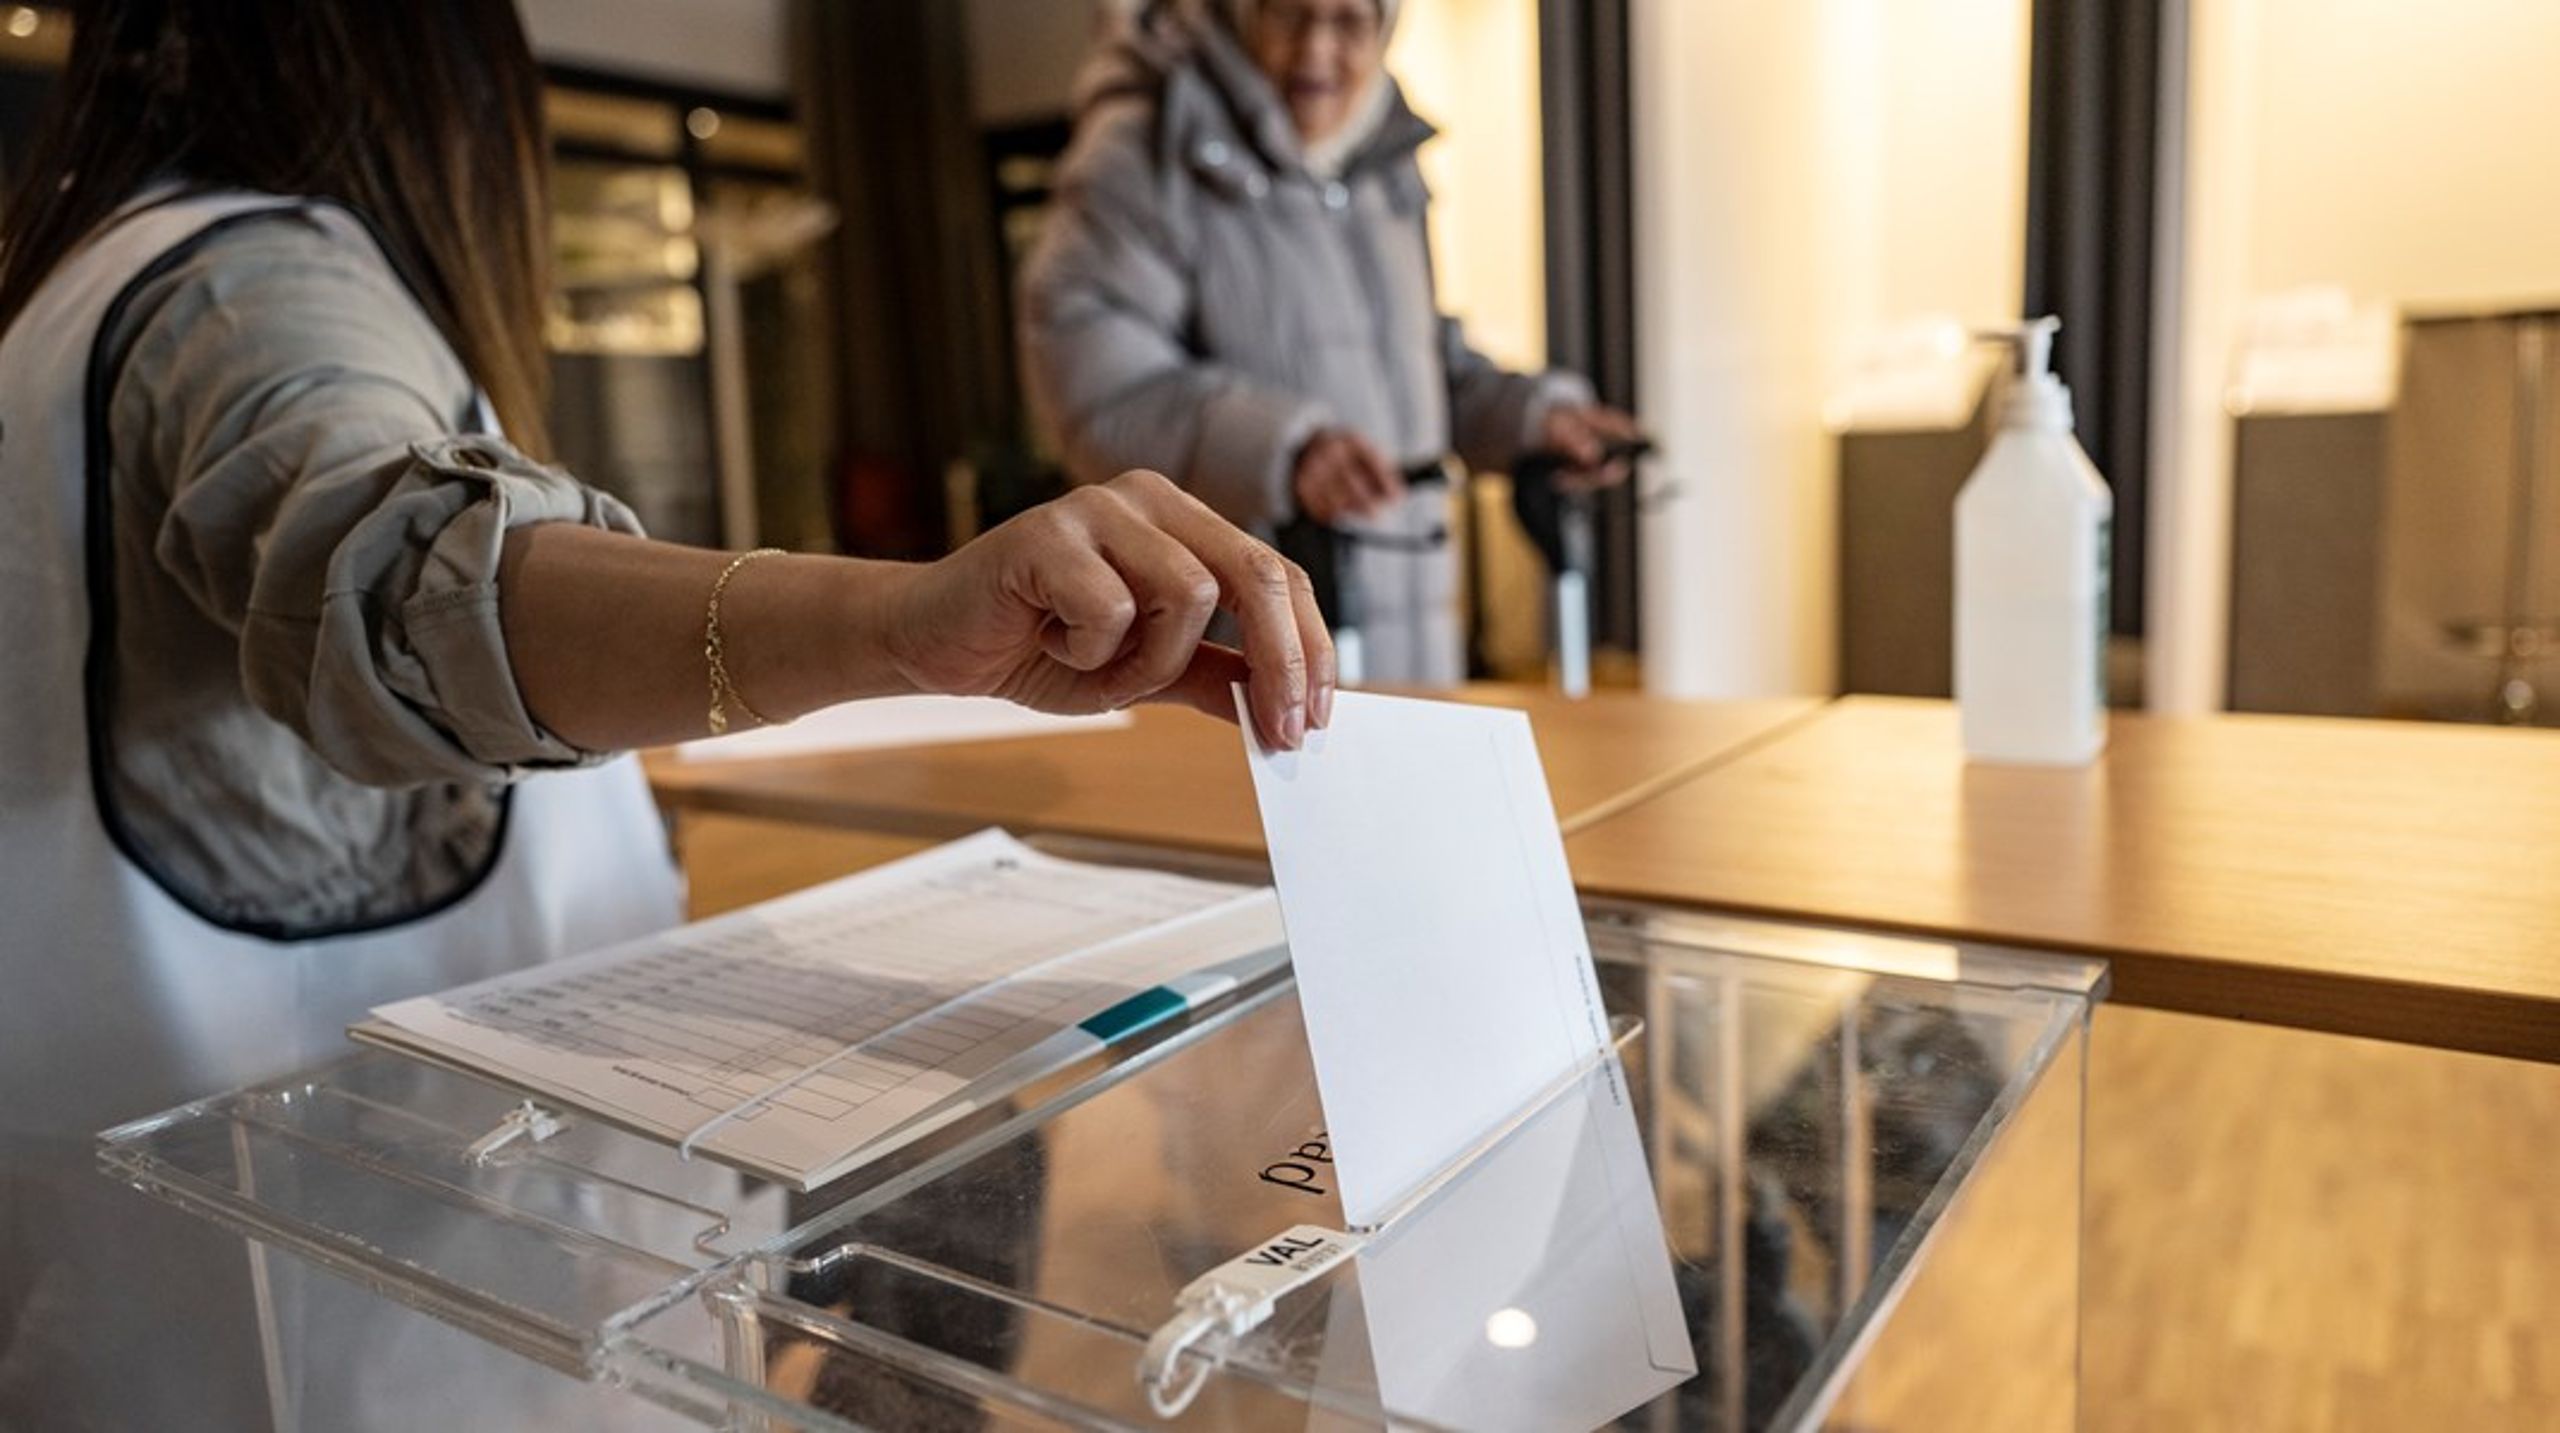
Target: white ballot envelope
[
  {"x": 1439, "y": 949},
  {"x": 1535, "y": 1289}
]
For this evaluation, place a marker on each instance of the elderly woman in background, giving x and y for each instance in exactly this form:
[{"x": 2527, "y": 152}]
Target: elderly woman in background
[{"x": 1235, "y": 289}]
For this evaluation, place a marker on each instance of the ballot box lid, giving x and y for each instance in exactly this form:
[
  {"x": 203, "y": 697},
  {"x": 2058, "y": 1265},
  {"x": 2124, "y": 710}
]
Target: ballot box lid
[{"x": 1721, "y": 1227}]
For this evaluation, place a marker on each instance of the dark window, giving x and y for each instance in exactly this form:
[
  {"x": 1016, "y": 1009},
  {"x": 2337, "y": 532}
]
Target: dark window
[{"x": 2093, "y": 125}]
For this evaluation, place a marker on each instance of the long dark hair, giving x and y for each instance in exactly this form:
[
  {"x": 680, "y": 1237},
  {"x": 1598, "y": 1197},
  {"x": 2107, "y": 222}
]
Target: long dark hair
[{"x": 423, "y": 116}]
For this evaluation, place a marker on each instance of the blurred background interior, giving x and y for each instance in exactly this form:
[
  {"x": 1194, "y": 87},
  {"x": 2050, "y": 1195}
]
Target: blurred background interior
[{"x": 2307, "y": 256}]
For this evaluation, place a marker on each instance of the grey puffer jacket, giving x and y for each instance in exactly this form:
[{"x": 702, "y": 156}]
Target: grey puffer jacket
[{"x": 1201, "y": 304}]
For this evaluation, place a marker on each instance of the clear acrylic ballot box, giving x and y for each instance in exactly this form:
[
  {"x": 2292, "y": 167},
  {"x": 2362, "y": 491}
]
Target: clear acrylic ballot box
[{"x": 1832, "y": 1181}]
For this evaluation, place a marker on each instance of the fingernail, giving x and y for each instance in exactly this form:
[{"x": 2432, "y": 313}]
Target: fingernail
[
  {"x": 1293, "y": 728},
  {"x": 1324, "y": 706}
]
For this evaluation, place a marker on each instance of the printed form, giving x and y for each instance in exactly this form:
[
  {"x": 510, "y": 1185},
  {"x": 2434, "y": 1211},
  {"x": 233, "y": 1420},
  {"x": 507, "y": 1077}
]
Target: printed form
[{"x": 803, "y": 1036}]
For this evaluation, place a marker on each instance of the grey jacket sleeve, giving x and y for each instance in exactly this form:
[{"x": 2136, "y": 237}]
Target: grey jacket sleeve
[
  {"x": 1104, "y": 299},
  {"x": 285, "y": 421},
  {"x": 1495, "y": 414}
]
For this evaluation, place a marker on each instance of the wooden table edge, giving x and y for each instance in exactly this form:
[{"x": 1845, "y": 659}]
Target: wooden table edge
[
  {"x": 2443, "y": 1017},
  {"x": 680, "y": 786},
  {"x": 831, "y": 812},
  {"x": 1653, "y": 787}
]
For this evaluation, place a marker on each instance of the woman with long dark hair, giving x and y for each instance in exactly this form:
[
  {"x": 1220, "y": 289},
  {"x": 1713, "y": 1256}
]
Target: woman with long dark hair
[{"x": 317, "y": 673}]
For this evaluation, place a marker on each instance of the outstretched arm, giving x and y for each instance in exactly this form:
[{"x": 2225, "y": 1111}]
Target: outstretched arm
[{"x": 1087, "y": 604}]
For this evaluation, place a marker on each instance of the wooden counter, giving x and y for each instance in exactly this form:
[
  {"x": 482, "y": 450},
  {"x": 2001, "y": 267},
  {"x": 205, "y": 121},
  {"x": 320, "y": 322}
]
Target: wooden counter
[
  {"x": 1178, "y": 779},
  {"x": 2370, "y": 878}
]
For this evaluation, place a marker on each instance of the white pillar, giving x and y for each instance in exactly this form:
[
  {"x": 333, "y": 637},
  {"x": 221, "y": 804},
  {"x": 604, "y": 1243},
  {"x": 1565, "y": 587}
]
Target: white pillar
[
  {"x": 1725, "y": 127},
  {"x": 2208, "y": 140},
  {"x": 1803, "y": 171}
]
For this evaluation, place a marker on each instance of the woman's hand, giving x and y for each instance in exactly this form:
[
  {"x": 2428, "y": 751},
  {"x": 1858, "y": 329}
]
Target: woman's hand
[
  {"x": 1100, "y": 599},
  {"x": 1342, "y": 475},
  {"x": 1583, "y": 432}
]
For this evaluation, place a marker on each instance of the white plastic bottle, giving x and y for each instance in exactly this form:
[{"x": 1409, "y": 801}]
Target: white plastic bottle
[{"x": 2032, "y": 530}]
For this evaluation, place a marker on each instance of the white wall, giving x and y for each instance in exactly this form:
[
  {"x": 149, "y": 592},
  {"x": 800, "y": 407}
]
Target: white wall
[
  {"x": 740, "y": 46},
  {"x": 1804, "y": 172},
  {"x": 2408, "y": 152},
  {"x": 1471, "y": 68},
  {"x": 2402, "y": 151}
]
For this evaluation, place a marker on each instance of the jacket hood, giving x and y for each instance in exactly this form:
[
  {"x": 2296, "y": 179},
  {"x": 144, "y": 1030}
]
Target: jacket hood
[{"x": 1184, "y": 56}]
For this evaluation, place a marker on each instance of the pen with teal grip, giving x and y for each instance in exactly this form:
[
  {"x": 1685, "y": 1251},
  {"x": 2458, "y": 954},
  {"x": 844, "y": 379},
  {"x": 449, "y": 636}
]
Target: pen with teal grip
[{"x": 1176, "y": 997}]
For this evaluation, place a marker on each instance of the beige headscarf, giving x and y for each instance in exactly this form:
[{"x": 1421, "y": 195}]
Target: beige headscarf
[{"x": 1326, "y": 158}]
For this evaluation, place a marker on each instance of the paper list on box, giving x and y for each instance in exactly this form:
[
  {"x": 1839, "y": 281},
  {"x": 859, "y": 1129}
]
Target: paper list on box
[{"x": 791, "y": 1034}]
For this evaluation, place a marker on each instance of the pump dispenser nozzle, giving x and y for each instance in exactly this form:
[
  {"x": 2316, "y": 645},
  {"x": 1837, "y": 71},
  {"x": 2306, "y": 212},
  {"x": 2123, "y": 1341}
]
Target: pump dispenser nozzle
[{"x": 2036, "y": 398}]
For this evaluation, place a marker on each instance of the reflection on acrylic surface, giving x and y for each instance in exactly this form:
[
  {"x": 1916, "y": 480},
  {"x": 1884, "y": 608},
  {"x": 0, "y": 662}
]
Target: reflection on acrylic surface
[
  {"x": 1533, "y": 1291},
  {"x": 1019, "y": 1269}
]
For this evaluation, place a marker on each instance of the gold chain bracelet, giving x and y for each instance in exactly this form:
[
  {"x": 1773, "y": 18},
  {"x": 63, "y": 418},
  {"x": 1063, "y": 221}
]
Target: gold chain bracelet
[{"x": 724, "y": 692}]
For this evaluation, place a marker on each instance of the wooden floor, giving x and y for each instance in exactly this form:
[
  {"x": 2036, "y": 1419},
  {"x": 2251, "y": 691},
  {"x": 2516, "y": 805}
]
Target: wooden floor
[
  {"x": 2294, "y": 1231},
  {"x": 2284, "y": 1231}
]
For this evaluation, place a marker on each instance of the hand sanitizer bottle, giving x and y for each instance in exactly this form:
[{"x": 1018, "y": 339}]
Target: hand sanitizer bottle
[{"x": 2032, "y": 529}]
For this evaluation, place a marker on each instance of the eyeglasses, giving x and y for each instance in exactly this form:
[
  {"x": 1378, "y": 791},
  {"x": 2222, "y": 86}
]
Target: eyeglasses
[{"x": 1354, "y": 26}]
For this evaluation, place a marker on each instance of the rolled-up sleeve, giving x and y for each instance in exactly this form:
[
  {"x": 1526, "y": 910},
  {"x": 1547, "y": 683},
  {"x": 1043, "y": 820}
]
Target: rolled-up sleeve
[
  {"x": 409, "y": 627},
  {"x": 286, "y": 423}
]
